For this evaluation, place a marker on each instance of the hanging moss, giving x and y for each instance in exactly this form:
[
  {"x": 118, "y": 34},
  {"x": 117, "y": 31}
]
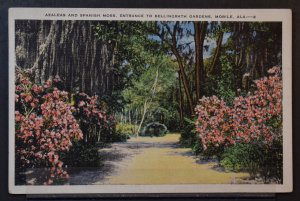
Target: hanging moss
[{"x": 69, "y": 49}]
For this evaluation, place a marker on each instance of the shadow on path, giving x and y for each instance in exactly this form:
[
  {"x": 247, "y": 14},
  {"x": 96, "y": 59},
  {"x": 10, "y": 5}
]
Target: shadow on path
[
  {"x": 152, "y": 160},
  {"x": 115, "y": 157}
]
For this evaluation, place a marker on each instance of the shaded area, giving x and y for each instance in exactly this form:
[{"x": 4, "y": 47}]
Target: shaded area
[
  {"x": 160, "y": 160},
  {"x": 149, "y": 160},
  {"x": 115, "y": 158}
]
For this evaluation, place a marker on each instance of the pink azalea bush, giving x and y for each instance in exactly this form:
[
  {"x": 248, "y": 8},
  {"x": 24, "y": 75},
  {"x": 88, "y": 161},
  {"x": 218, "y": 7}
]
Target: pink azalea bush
[
  {"x": 214, "y": 122},
  {"x": 94, "y": 121},
  {"x": 248, "y": 134},
  {"x": 96, "y": 126},
  {"x": 256, "y": 117},
  {"x": 44, "y": 125},
  {"x": 53, "y": 130}
]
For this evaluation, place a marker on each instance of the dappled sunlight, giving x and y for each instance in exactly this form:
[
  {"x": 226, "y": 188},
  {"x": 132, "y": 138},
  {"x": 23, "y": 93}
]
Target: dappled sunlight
[
  {"x": 169, "y": 165},
  {"x": 172, "y": 137}
]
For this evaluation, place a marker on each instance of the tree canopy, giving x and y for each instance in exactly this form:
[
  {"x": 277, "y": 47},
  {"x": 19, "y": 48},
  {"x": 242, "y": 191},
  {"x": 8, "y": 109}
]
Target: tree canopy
[{"x": 121, "y": 61}]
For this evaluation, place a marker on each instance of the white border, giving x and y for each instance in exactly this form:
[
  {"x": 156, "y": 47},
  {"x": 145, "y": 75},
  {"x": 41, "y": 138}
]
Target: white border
[{"x": 281, "y": 15}]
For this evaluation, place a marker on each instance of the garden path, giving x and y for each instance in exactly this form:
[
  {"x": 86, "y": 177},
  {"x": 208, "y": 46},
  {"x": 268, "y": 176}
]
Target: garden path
[{"x": 153, "y": 160}]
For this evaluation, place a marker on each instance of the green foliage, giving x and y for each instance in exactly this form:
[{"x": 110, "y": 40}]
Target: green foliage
[
  {"x": 242, "y": 157},
  {"x": 224, "y": 88},
  {"x": 197, "y": 146},
  {"x": 82, "y": 155},
  {"x": 166, "y": 114},
  {"x": 131, "y": 51},
  {"x": 161, "y": 106},
  {"x": 188, "y": 136},
  {"x": 119, "y": 137},
  {"x": 126, "y": 128},
  {"x": 256, "y": 159},
  {"x": 154, "y": 129},
  {"x": 223, "y": 85}
]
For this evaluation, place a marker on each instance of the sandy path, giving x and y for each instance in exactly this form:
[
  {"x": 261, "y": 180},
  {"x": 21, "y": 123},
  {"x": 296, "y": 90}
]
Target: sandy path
[{"x": 157, "y": 160}]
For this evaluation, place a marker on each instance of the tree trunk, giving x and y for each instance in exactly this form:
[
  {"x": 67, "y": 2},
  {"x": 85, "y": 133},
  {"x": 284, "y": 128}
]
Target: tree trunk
[
  {"x": 215, "y": 68},
  {"x": 69, "y": 49},
  {"x": 147, "y": 102},
  {"x": 39, "y": 66},
  {"x": 129, "y": 117},
  {"x": 181, "y": 67},
  {"x": 180, "y": 100},
  {"x": 145, "y": 107},
  {"x": 200, "y": 31}
]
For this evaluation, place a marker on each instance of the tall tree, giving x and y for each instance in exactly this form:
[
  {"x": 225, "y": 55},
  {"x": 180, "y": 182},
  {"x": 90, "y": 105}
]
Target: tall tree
[
  {"x": 200, "y": 31},
  {"x": 69, "y": 49},
  {"x": 214, "y": 67},
  {"x": 148, "y": 101},
  {"x": 256, "y": 47},
  {"x": 150, "y": 98},
  {"x": 169, "y": 34}
]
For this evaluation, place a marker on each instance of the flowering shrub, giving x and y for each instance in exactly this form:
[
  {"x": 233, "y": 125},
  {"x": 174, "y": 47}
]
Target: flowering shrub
[
  {"x": 44, "y": 125},
  {"x": 96, "y": 124},
  {"x": 254, "y": 121},
  {"x": 49, "y": 127},
  {"x": 257, "y": 117},
  {"x": 214, "y": 122}
]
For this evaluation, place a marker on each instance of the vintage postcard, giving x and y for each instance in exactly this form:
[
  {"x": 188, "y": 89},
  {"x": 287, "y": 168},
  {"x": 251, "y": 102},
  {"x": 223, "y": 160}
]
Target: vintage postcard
[{"x": 150, "y": 100}]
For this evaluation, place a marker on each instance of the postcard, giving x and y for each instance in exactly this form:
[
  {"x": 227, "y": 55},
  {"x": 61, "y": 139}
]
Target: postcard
[{"x": 116, "y": 101}]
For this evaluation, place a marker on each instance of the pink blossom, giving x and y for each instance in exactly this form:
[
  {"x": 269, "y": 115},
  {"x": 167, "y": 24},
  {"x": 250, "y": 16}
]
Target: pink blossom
[
  {"x": 247, "y": 119},
  {"x": 46, "y": 124}
]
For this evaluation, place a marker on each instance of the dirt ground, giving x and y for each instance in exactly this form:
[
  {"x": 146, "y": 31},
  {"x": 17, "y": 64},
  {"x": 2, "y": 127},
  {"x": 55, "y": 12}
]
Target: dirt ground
[{"x": 152, "y": 160}]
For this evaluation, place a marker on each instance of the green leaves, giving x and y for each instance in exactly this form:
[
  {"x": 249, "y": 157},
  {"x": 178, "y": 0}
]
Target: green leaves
[{"x": 190, "y": 121}]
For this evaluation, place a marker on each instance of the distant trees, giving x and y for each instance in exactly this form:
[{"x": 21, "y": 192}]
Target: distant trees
[
  {"x": 152, "y": 97},
  {"x": 252, "y": 49}
]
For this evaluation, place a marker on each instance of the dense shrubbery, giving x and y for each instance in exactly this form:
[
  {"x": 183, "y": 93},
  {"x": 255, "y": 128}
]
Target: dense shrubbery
[
  {"x": 255, "y": 159},
  {"x": 82, "y": 154},
  {"x": 189, "y": 137},
  {"x": 126, "y": 128},
  {"x": 96, "y": 125},
  {"x": 45, "y": 126},
  {"x": 154, "y": 129},
  {"x": 50, "y": 127},
  {"x": 247, "y": 135}
]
